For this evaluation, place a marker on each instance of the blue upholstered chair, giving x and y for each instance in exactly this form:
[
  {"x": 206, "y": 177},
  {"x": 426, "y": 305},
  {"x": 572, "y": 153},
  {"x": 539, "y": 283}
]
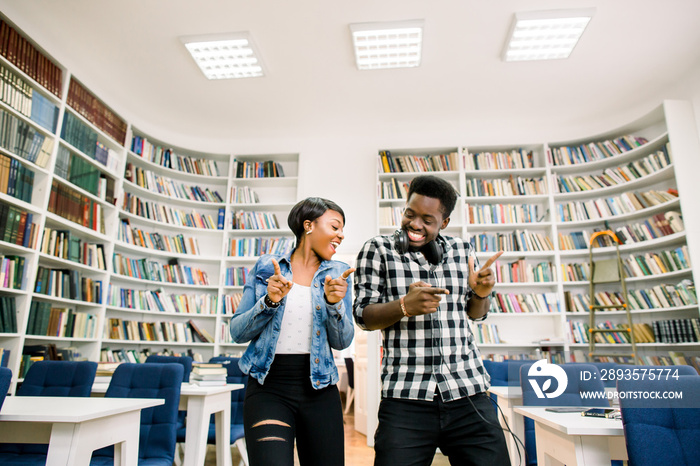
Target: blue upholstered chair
[
  {"x": 504, "y": 374},
  {"x": 159, "y": 423},
  {"x": 5, "y": 379},
  {"x": 48, "y": 378},
  {"x": 570, "y": 397},
  {"x": 234, "y": 375},
  {"x": 186, "y": 362},
  {"x": 662, "y": 431}
]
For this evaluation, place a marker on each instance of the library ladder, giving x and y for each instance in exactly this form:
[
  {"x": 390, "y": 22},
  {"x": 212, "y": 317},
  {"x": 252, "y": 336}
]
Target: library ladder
[{"x": 608, "y": 271}]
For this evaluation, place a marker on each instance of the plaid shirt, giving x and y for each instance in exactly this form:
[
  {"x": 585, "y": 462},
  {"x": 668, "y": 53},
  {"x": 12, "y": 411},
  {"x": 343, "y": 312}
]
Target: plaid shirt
[{"x": 427, "y": 352}]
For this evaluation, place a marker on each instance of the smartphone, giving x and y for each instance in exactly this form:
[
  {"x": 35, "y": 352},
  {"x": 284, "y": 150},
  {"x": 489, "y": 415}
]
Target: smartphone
[{"x": 598, "y": 412}]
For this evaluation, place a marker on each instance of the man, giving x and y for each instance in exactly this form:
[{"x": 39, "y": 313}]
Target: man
[{"x": 419, "y": 288}]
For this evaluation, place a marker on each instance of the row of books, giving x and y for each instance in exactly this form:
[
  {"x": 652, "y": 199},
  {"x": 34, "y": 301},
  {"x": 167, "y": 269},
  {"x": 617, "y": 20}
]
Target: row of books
[
  {"x": 653, "y": 263},
  {"x": 525, "y": 303},
  {"x": 223, "y": 332},
  {"x": 70, "y": 204},
  {"x": 19, "y": 94},
  {"x": 46, "y": 320},
  {"x": 508, "y": 160},
  {"x": 159, "y": 301},
  {"x": 243, "y": 195},
  {"x": 602, "y": 208},
  {"x": 17, "y": 226},
  {"x": 11, "y": 271},
  {"x": 84, "y": 174},
  {"x": 8, "y": 315},
  {"x": 522, "y": 271},
  {"x": 171, "y": 215},
  {"x": 502, "y": 213},
  {"x": 236, "y": 276},
  {"x": 518, "y": 240},
  {"x": 486, "y": 333},
  {"x": 677, "y": 330},
  {"x": 246, "y": 220},
  {"x": 615, "y": 176},
  {"x": 96, "y": 112},
  {"x": 390, "y": 163},
  {"x": 255, "y": 247},
  {"x": 658, "y": 297},
  {"x": 120, "y": 355},
  {"x": 22, "y": 53},
  {"x": 231, "y": 303},
  {"x": 390, "y": 216},
  {"x": 592, "y": 151},
  {"x": 393, "y": 189},
  {"x": 512, "y": 186},
  {"x": 578, "y": 332},
  {"x": 79, "y": 135},
  {"x": 168, "y": 187},
  {"x": 657, "y": 226},
  {"x": 166, "y": 157},
  {"x": 176, "y": 244},
  {"x": 164, "y": 331},
  {"x": 67, "y": 284},
  {"x": 15, "y": 91},
  {"x": 266, "y": 169},
  {"x": 16, "y": 180},
  {"x": 23, "y": 140},
  {"x": 148, "y": 269},
  {"x": 65, "y": 245}
]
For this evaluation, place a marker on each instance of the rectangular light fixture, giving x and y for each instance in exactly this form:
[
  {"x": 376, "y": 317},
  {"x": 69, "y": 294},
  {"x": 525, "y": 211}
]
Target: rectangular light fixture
[
  {"x": 387, "y": 45},
  {"x": 225, "y": 56},
  {"x": 546, "y": 35}
]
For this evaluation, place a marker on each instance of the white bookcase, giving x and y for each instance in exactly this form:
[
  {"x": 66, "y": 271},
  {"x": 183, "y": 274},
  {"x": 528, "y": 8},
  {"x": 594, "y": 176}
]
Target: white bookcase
[{"x": 542, "y": 333}]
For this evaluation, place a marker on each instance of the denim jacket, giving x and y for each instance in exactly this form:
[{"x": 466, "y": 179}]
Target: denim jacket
[{"x": 255, "y": 322}]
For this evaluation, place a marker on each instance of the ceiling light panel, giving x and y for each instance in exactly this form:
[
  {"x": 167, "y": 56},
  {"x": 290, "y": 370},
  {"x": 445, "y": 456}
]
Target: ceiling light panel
[
  {"x": 387, "y": 45},
  {"x": 546, "y": 35},
  {"x": 227, "y": 56}
]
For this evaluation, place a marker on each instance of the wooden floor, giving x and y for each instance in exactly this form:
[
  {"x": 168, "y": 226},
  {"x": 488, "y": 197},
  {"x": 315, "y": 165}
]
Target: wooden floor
[{"x": 357, "y": 453}]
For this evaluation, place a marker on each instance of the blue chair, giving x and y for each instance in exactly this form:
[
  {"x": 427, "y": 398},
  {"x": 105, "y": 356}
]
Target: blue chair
[
  {"x": 571, "y": 397},
  {"x": 662, "y": 431},
  {"x": 48, "y": 378},
  {"x": 5, "y": 380},
  {"x": 186, "y": 362},
  {"x": 158, "y": 424},
  {"x": 234, "y": 375},
  {"x": 504, "y": 374}
]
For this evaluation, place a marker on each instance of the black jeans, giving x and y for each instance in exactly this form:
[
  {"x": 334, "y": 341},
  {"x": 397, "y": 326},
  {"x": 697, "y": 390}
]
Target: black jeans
[
  {"x": 410, "y": 431},
  {"x": 287, "y": 407}
]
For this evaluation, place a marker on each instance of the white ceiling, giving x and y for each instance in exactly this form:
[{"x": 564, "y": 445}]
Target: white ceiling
[{"x": 128, "y": 53}]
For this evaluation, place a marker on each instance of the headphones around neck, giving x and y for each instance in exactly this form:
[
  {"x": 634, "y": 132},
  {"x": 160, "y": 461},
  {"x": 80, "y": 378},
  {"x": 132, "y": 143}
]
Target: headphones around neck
[{"x": 432, "y": 250}]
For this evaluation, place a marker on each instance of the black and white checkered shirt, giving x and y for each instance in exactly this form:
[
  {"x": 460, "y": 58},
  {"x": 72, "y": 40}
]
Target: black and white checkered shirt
[{"x": 427, "y": 352}]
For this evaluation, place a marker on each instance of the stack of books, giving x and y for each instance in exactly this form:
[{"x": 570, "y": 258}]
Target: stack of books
[{"x": 208, "y": 374}]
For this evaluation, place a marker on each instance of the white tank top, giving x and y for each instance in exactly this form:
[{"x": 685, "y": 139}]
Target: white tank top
[{"x": 297, "y": 322}]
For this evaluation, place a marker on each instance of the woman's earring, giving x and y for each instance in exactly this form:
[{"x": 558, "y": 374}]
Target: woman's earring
[{"x": 308, "y": 232}]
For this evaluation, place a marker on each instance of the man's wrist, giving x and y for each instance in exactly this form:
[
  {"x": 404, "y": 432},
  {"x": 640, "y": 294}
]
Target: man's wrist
[{"x": 403, "y": 307}]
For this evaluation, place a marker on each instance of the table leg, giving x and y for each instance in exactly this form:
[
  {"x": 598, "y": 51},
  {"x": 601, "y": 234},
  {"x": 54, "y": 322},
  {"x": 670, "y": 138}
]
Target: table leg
[{"x": 199, "y": 409}]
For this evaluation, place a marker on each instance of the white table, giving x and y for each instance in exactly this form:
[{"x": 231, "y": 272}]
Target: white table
[
  {"x": 200, "y": 403},
  {"x": 508, "y": 398},
  {"x": 571, "y": 439},
  {"x": 74, "y": 427}
]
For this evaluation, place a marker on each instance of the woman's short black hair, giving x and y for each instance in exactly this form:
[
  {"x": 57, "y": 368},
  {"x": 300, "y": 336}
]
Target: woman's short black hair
[
  {"x": 437, "y": 188},
  {"x": 310, "y": 208}
]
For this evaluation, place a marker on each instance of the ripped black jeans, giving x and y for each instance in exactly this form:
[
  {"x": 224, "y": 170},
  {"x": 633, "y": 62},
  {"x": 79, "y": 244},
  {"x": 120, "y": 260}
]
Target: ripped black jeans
[{"x": 286, "y": 408}]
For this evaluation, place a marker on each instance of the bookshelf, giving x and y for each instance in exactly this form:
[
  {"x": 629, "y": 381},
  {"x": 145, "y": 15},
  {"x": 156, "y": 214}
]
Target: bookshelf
[
  {"x": 113, "y": 242},
  {"x": 541, "y": 202}
]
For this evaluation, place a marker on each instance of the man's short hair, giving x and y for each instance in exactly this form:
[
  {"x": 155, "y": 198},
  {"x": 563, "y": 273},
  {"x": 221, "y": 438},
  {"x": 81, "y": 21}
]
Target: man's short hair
[{"x": 437, "y": 188}]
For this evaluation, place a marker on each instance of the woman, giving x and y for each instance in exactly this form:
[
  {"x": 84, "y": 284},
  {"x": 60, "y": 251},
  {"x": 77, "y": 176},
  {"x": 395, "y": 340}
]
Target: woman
[{"x": 294, "y": 309}]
